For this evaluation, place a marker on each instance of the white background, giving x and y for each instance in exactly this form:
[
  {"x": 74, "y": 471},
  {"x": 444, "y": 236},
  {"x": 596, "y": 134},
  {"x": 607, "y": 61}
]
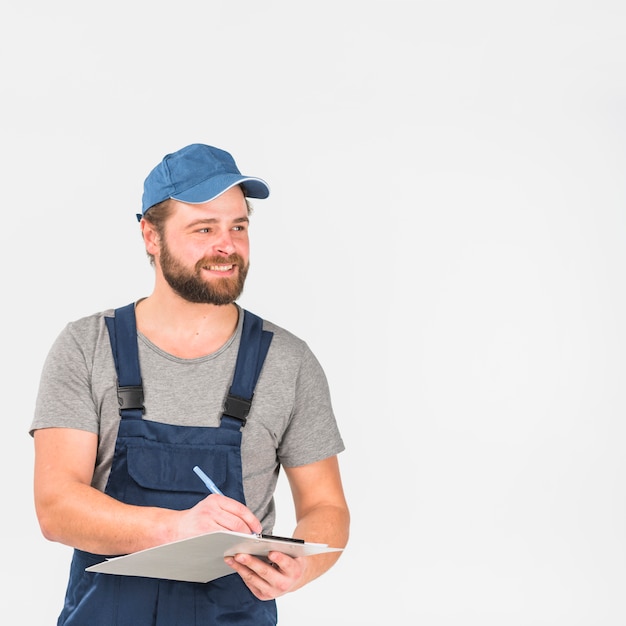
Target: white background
[{"x": 445, "y": 230}]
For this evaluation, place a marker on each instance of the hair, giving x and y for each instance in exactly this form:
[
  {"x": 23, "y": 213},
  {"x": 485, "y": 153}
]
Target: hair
[{"x": 159, "y": 213}]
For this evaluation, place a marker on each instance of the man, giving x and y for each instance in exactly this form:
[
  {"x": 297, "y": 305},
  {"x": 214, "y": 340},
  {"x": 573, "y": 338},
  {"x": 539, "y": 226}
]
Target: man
[{"x": 131, "y": 400}]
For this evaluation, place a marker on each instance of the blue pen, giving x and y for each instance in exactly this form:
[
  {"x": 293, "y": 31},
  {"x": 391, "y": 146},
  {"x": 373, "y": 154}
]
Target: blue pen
[{"x": 211, "y": 486}]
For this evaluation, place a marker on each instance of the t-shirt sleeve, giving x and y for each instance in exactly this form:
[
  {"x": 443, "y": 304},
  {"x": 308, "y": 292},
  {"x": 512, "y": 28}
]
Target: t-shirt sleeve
[
  {"x": 312, "y": 433},
  {"x": 64, "y": 399}
]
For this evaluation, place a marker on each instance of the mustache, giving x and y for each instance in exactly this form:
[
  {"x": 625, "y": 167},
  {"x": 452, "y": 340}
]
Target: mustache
[{"x": 232, "y": 259}]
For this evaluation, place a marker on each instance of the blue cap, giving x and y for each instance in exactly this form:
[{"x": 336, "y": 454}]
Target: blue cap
[{"x": 195, "y": 174}]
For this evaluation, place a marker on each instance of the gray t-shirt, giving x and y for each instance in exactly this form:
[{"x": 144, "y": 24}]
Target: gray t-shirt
[{"x": 291, "y": 422}]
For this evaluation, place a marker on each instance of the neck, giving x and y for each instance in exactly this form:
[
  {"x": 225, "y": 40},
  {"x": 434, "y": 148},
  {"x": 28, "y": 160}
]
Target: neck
[{"x": 185, "y": 329}]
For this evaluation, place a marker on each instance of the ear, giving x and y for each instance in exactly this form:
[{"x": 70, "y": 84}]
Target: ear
[{"x": 150, "y": 237}]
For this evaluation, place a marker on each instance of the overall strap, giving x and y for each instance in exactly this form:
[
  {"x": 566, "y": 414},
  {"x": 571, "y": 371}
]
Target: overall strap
[
  {"x": 253, "y": 348},
  {"x": 123, "y": 336}
]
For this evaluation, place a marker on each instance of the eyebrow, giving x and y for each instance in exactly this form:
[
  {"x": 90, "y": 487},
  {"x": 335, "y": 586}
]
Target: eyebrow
[{"x": 214, "y": 220}]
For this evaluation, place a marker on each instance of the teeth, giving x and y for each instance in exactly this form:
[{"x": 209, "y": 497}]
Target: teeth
[{"x": 220, "y": 268}]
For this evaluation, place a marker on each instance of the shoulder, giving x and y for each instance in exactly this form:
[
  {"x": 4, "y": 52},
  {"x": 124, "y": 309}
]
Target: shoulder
[
  {"x": 279, "y": 333},
  {"x": 87, "y": 326},
  {"x": 283, "y": 334},
  {"x": 83, "y": 335},
  {"x": 285, "y": 342},
  {"x": 290, "y": 353}
]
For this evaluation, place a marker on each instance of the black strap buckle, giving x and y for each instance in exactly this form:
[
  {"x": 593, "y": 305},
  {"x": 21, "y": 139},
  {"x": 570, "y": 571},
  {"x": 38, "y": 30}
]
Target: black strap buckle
[
  {"x": 237, "y": 407},
  {"x": 130, "y": 397}
]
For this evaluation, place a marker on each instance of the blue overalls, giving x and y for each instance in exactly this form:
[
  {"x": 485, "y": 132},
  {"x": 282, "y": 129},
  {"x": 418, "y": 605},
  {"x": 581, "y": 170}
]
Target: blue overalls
[{"x": 153, "y": 466}]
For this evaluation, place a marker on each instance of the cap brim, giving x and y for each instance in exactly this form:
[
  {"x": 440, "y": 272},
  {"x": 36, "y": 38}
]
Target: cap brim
[{"x": 209, "y": 189}]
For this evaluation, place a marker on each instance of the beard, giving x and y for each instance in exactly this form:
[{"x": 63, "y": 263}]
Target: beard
[{"x": 193, "y": 287}]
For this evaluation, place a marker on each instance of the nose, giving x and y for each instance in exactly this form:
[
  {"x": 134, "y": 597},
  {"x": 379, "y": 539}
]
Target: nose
[{"x": 224, "y": 243}]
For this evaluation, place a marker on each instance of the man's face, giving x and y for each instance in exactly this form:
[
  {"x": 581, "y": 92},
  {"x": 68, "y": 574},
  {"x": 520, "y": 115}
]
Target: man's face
[{"x": 204, "y": 252}]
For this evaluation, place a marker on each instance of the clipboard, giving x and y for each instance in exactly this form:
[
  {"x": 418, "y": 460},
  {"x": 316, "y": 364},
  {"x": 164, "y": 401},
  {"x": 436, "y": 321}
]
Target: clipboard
[{"x": 201, "y": 559}]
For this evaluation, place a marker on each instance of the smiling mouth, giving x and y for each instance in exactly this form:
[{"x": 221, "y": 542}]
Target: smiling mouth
[{"x": 219, "y": 268}]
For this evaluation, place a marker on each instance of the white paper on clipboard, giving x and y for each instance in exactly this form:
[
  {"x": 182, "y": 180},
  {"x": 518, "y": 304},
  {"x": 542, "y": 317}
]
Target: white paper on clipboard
[{"x": 201, "y": 559}]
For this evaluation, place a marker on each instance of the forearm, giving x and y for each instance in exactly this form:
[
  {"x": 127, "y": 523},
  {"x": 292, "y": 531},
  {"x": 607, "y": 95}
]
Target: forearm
[
  {"x": 85, "y": 518},
  {"x": 326, "y": 524}
]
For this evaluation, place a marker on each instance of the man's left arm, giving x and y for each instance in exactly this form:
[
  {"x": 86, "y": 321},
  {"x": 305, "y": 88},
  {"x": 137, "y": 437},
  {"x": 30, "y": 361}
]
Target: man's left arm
[
  {"x": 322, "y": 516},
  {"x": 322, "y": 513}
]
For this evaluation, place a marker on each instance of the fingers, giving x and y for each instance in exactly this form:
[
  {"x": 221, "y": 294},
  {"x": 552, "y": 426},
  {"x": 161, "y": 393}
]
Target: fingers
[
  {"x": 218, "y": 512},
  {"x": 232, "y": 515},
  {"x": 266, "y": 579}
]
